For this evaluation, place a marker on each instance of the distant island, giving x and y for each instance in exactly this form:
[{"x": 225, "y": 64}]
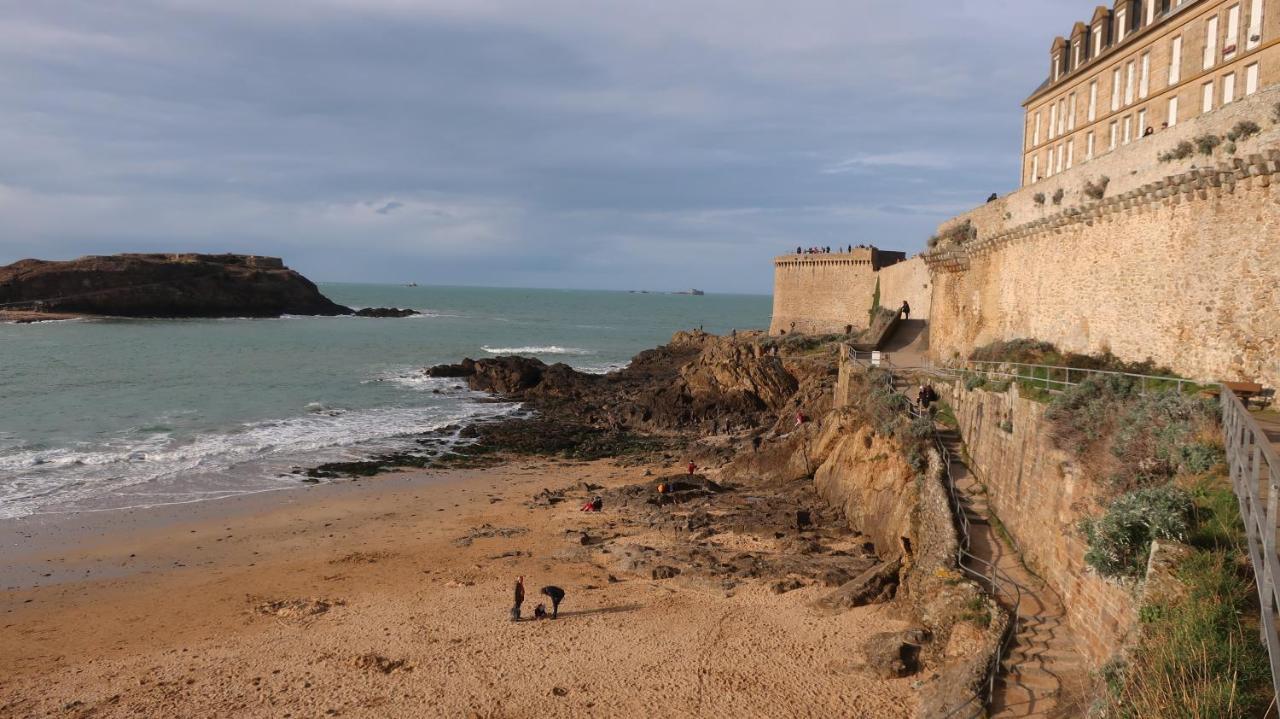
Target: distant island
[{"x": 165, "y": 285}]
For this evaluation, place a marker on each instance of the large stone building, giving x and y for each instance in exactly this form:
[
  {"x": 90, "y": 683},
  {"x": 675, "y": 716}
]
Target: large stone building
[{"x": 1141, "y": 67}]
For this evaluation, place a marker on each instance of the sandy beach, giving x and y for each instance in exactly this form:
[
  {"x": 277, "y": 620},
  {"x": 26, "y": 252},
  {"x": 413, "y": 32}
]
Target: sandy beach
[{"x": 390, "y": 596}]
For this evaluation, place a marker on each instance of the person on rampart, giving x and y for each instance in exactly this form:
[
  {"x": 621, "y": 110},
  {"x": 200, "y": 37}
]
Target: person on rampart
[
  {"x": 906, "y": 310},
  {"x": 519, "y": 592}
]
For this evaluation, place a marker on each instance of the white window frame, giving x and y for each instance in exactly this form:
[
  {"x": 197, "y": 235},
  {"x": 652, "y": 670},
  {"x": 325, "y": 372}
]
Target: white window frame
[
  {"x": 1036, "y": 132},
  {"x": 1062, "y": 116},
  {"x": 1228, "y": 88},
  {"x": 1071, "y": 152},
  {"x": 1172, "y": 118},
  {"x": 1075, "y": 53},
  {"x": 1128, "y": 129},
  {"x": 1093, "y": 101},
  {"x": 1097, "y": 40},
  {"x": 1128, "y": 83},
  {"x": 1115, "y": 134},
  {"x": 1251, "y": 74},
  {"x": 1053, "y": 120},
  {"x": 1071, "y": 111},
  {"x": 1088, "y": 146},
  {"x": 1057, "y": 67},
  {"x": 1035, "y": 167},
  {"x": 1232, "y": 43},
  {"x": 1120, "y": 27},
  {"x": 1211, "y": 42},
  {"x": 1255, "y": 25},
  {"x": 1144, "y": 81},
  {"x": 1151, "y": 11},
  {"x": 1061, "y": 157},
  {"x": 1142, "y": 123},
  {"x": 1175, "y": 61},
  {"x": 1206, "y": 100},
  {"x": 1115, "y": 89}
]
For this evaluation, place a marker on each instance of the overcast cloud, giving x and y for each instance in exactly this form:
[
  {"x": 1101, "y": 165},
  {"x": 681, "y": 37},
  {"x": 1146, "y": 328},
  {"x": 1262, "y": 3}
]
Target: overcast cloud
[{"x": 548, "y": 143}]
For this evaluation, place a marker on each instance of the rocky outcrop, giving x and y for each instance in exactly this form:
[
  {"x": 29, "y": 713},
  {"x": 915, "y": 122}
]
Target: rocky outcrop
[
  {"x": 697, "y": 381},
  {"x": 392, "y": 312},
  {"x": 163, "y": 285}
]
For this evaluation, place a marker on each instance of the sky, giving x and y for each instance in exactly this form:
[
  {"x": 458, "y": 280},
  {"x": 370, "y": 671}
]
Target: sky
[{"x": 651, "y": 144}]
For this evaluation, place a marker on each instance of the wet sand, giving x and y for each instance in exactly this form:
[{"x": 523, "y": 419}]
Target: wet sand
[{"x": 363, "y": 599}]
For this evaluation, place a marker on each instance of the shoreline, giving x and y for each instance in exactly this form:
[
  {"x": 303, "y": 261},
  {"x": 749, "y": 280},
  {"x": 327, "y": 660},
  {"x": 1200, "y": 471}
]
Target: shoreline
[{"x": 390, "y": 595}]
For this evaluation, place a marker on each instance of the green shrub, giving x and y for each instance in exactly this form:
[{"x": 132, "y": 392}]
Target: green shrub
[
  {"x": 1230, "y": 148},
  {"x": 1084, "y": 412},
  {"x": 1097, "y": 190},
  {"x": 974, "y": 381},
  {"x": 1243, "y": 130},
  {"x": 1207, "y": 143},
  {"x": 1007, "y": 426},
  {"x": 1181, "y": 151},
  {"x": 1058, "y": 195},
  {"x": 1120, "y": 540},
  {"x": 1157, "y": 438},
  {"x": 1038, "y": 198}
]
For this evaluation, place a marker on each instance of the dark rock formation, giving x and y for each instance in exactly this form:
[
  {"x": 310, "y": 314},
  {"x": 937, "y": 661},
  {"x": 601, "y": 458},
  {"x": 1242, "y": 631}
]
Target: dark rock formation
[
  {"x": 697, "y": 381},
  {"x": 164, "y": 285},
  {"x": 386, "y": 312}
]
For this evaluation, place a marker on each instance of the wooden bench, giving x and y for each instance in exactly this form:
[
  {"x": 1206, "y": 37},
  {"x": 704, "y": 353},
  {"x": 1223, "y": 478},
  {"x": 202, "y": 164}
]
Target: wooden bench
[{"x": 1246, "y": 391}]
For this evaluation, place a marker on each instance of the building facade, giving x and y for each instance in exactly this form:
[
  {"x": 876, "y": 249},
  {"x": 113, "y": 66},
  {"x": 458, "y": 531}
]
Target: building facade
[{"x": 1140, "y": 67}]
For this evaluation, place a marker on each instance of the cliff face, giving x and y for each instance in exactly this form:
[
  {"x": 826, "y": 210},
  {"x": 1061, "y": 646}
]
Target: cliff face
[{"x": 159, "y": 285}]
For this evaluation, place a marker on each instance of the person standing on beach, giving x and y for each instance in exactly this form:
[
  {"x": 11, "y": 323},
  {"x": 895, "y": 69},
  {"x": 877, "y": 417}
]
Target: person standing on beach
[
  {"x": 519, "y": 591},
  {"x": 556, "y": 594}
]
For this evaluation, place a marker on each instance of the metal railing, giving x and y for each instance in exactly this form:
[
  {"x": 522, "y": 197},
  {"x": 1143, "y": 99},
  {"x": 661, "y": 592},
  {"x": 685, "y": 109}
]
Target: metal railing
[
  {"x": 1058, "y": 378},
  {"x": 995, "y": 581},
  {"x": 1255, "y": 477}
]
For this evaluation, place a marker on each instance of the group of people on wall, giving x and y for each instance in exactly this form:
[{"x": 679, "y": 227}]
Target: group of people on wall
[{"x": 827, "y": 250}]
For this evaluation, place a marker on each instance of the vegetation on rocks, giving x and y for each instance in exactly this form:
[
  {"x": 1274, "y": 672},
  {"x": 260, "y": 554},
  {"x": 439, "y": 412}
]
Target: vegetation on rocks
[{"x": 1181, "y": 151}]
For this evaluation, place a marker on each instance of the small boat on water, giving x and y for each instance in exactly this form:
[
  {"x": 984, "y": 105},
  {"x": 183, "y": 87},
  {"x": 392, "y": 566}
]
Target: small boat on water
[{"x": 412, "y": 284}]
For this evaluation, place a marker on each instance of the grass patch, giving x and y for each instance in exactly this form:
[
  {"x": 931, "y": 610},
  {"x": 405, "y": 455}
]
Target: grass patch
[
  {"x": 1198, "y": 657},
  {"x": 945, "y": 415}
]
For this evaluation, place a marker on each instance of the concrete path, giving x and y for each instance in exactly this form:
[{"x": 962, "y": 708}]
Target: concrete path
[
  {"x": 909, "y": 344},
  {"x": 1043, "y": 675}
]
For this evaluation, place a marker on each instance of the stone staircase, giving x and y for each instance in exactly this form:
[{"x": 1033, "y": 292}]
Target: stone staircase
[{"x": 1043, "y": 674}]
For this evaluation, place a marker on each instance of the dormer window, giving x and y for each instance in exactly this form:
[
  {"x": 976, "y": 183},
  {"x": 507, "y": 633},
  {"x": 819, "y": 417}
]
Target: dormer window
[
  {"x": 1075, "y": 54},
  {"x": 1097, "y": 40},
  {"x": 1057, "y": 67},
  {"x": 1120, "y": 25}
]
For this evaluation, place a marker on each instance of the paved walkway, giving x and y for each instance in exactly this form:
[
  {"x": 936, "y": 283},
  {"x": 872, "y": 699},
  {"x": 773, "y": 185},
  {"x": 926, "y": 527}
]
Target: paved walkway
[{"x": 1043, "y": 675}]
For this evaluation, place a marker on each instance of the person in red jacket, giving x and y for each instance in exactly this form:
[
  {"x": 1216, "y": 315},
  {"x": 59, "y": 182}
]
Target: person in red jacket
[{"x": 692, "y": 468}]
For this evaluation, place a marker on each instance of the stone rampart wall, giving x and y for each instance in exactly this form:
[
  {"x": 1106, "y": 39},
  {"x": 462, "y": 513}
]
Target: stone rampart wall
[
  {"x": 1040, "y": 495},
  {"x": 817, "y": 294},
  {"x": 1184, "y": 270},
  {"x": 908, "y": 281}
]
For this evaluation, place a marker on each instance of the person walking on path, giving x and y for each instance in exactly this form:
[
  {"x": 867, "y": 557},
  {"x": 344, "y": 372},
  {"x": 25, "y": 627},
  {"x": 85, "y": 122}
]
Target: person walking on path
[
  {"x": 556, "y": 595},
  {"x": 906, "y": 310},
  {"x": 519, "y": 592},
  {"x": 692, "y": 468}
]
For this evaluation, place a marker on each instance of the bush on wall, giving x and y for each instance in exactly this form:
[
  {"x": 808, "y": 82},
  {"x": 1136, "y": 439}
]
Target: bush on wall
[{"x": 1120, "y": 540}]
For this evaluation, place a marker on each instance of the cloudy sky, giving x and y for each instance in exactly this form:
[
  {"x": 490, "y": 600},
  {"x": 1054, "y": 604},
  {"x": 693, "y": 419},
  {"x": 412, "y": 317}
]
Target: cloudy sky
[{"x": 655, "y": 144}]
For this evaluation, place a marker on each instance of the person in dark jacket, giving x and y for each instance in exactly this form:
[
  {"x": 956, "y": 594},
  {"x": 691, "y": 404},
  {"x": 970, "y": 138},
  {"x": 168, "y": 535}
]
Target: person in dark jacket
[
  {"x": 556, "y": 595},
  {"x": 519, "y": 592},
  {"x": 906, "y": 310}
]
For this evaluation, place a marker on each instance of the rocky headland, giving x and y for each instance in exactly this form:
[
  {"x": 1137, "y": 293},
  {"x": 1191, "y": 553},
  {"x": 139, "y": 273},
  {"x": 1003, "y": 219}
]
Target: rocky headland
[{"x": 161, "y": 285}]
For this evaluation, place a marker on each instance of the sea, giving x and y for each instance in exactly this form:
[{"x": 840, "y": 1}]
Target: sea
[{"x": 106, "y": 414}]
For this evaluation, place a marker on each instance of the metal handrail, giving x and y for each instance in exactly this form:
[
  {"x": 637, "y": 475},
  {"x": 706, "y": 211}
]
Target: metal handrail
[
  {"x": 1255, "y": 478},
  {"x": 982, "y": 366},
  {"x": 993, "y": 577}
]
